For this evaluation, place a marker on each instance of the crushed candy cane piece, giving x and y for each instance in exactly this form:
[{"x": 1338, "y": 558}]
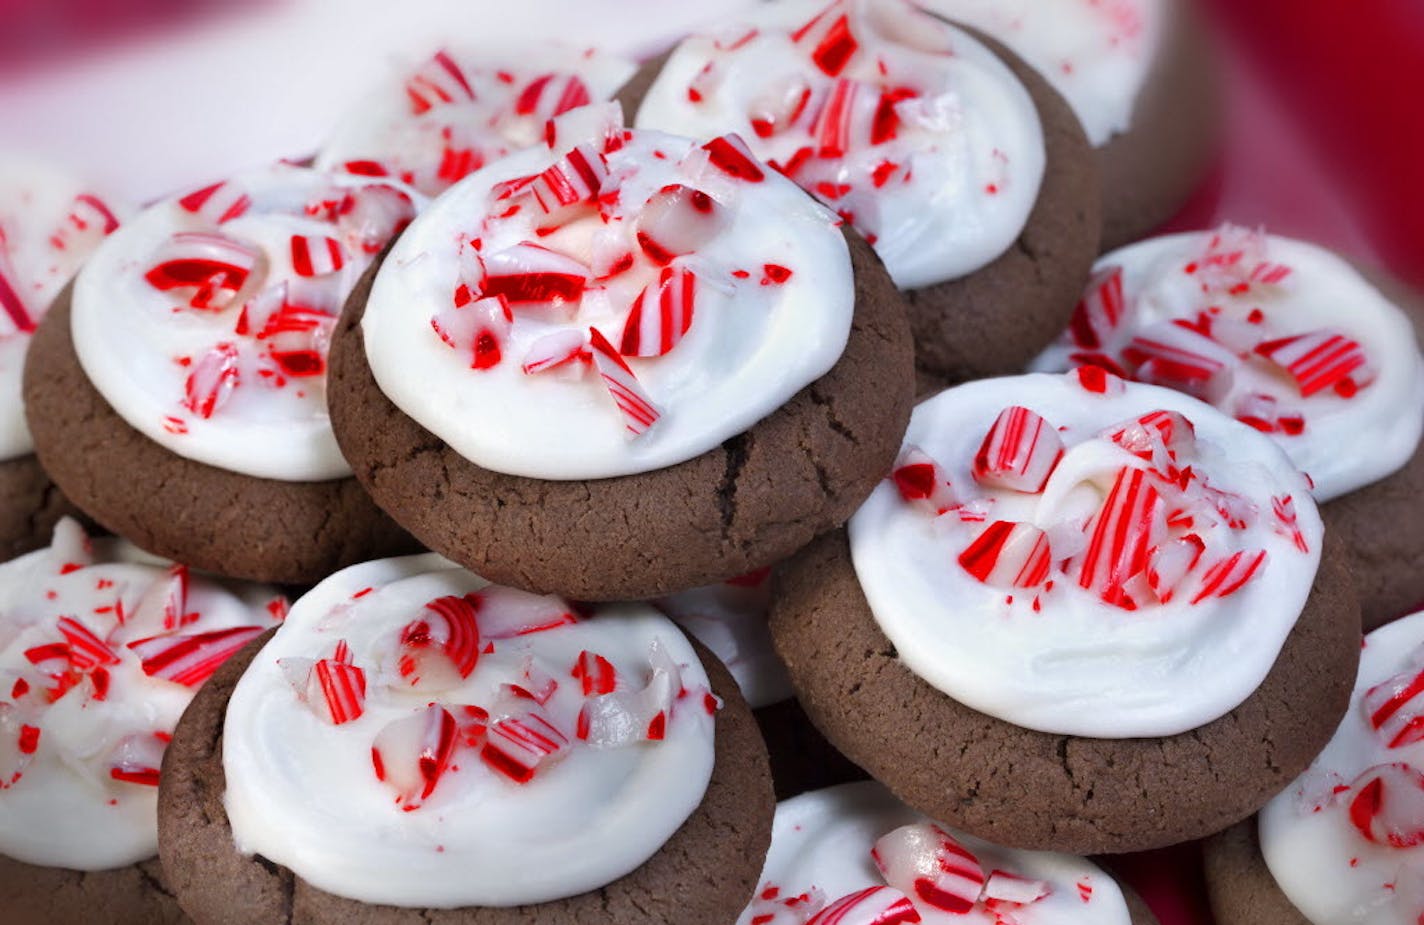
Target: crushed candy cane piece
[
  {"x": 929, "y": 865},
  {"x": 1004, "y": 887},
  {"x": 218, "y": 203},
  {"x": 191, "y": 658},
  {"x": 1101, "y": 316},
  {"x": 639, "y": 413},
  {"x": 621, "y": 718},
  {"x": 874, "y": 905},
  {"x": 1319, "y": 360},
  {"x": 442, "y": 646},
  {"x": 661, "y": 315},
  {"x": 678, "y": 220},
  {"x": 1180, "y": 358},
  {"x": 212, "y": 381},
  {"x": 411, "y": 755},
  {"x": 1388, "y": 805},
  {"x": 522, "y": 743},
  {"x": 555, "y": 350},
  {"x": 1009, "y": 555},
  {"x": 1121, "y": 534},
  {"x": 530, "y": 275},
  {"x": 1394, "y": 709},
  {"x": 209, "y": 269},
  {"x": 1019, "y": 452},
  {"x": 920, "y": 480},
  {"x": 504, "y": 613},
  {"x": 316, "y": 255},
  {"x": 730, "y": 155},
  {"x": 1228, "y": 575},
  {"x": 438, "y": 82}
]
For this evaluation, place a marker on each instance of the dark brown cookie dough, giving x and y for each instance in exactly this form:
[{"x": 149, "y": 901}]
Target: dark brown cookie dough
[
  {"x": 1137, "y": 910},
  {"x": 1032, "y": 789},
  {"x": 754, "y": 500},
  {"x": 209, "y": 518},
  {"x": 996, "y": 319},
  {"x": 704, "y": 875},
  {"x": 1240, "y": 885},
  {"x": 801, "y": 758},
  {"x": 30, "y": 506},
  {"x": 134, "y": 895}
]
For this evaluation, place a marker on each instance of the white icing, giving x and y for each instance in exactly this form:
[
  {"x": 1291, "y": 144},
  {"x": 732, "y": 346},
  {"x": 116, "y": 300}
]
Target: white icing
[
  {"x": 1332, "y": 874},
  {"x": 1057, "y": 658},
  {"x": 1097, "y": 54},
  {"x": 437, "y": 147},
  {"x": 751, "y": 346},
  {"x": 302, "y": 792},
  {"x": 42, "y": 243},
  {"x": 65, "y": 809},
  {"x": 133, "y": 339},
  {"x": 972, "y": 140},
  {"x": 730, "y": 619},
  {"x": 822, "y": 840},
  {"x": 1346, "y": 443}
]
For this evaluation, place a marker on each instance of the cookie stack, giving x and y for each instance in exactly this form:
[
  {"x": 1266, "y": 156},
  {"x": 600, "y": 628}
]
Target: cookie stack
[{"x": 572, "y": 403}]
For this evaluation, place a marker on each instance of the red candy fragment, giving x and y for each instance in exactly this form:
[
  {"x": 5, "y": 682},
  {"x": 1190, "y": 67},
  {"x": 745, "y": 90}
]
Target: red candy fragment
[
  {"x": 920, "y": 481},
  {"x": 595, "y": 674},
  {"x": 527, "y": 275},
  {"x": 1006, "y": 888},
  {"x": 927, "y": 863},
  {"x": 730, "y": 155},
  {"x": 1321, "y": 360},
  {"x": 874, "y": 905},
  {"x": 478, "y": 328},
  {"x": 639, "y": 413},
  {"x": 190, "y": 659},
  {"x": 1395, "y": 709},
  {"x": 210, "y": 384},
  {"x": 555, "y": 350},
  {"x": 661, "y": 314},
  {"x": 1388, "y": 805},
  {"x": 523, "y": 743},
  {"x": 1169, "y": 564},
  {"x": 550, "y": 95},
  {"x": 442, "y": 646},
  {"x": 1158, "y": 437},
  {"x": 137, "y": 759},
  {"x": 219, "y": 203},
  {"x": 1121, "y": 534},
  {"x": 333, "y": 688},
  {"x": 1180, "y": 358},
  {"x": 86, "y": 650},
  {"x": 678, "y": 220},
  {"x": 575, "y": 180},
  {"x": 619, "y": 718},
  {"x": 439, "y": 81},
  {"x": 316, "y": 255},
  {"x": 779, "y": 106},
  {"x": 1009, "y": 555},
  {"x": 411, "y": 755},
  {"x": 1019, "y": 452},
  {"x": 1102, "y": 314},
  {"x": 207, "y": 269},
  {"x": 1228, "y": 575}
]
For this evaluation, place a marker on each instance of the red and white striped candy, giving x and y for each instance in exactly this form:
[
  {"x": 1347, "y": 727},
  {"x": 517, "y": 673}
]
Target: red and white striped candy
[
  {"x": 163, "y": 606},
  {"x": 836, "y": 123},
  {"x": 89, "y": 220},
  {"x": 921, "y": 481},
  {"x": 576, "y": 179},
  {"x": 550, "y": 95},
  {"x": 18, "y": 743},
  {"x": 779, "y": 106},
  {"x": 191, "y": 658},
  {"x": 210, "y": 270},
  {"x": 1122, "y": 533},
  {"x": 15, "y": 317},
  {"x": 1395, "y": 709},
  {"x": 210, "y": 384},
  {"x": 730, "y": 155},
  {"x": 336, "y": 690},
  {"x": 1288, "y": 522},
  {"x": 1097, "y": 380},
  {"x": 479, "y": 328},
  {"x": 528, "y": 275},
  {"x": 1004, "y": 887},
  {"x": 621, "y": 718},
  {"x": 555, "y": 350},
  {"x": 829, "y": 39},
  {"x": 661, "y": 314},
  {"x": 138, "y": 758},
  {"x": 53, "y": 662},
  {"x": 1388, "y": 805},
  {"x": 410, "y": 755},
  {"x": 874, "y": 905},
  {"x": 378, "y": 213},
  {"x": 297, "y": 339},
  {"x": 1228, "y": 575},
  {"x": 639, "y": 412},
  {"x": 316, "y": 255},
  {"x": 595, "y": 674},
  {"x": 1181, "y": 358},
  {"x": 219, "y": 203},
  {"x": 1101, "y": 316},
  {"x": 1169, "y": 564},
  {"x": 439, "y": 81},
  {"x": 1159, "y": 437},
  {"x": 1009, "y": 555},
  {"x": 678, "y": 220},
  {"x": 70, "y": 548},
  {"x": 1321, "y": 360},
  {"x": 523, "y": 743},
  {"x": 441, "y": 646},
  {"x": 504, "y": 613},
  {"x": 927, "y": 864},
  {"x": 86, "y": 650},
  {"x": 535, "y": 683},
  {"x": 1019, "y": 452}
]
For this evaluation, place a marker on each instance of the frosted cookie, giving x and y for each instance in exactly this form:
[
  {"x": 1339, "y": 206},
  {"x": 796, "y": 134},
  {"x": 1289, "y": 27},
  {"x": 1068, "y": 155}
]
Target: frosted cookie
[
  {"x": 621, "y": 364},
  {"x": 1293, "y": 341},
  {"x": 1137, "y": 74},
  {"x": 177, "y": 393},
  {"x": 958, "y": 163},
  {"x": 101, "y": 649},
  {"x": 1082, "y": 615},
  {"x": 466, "y": 107},
  {"x": 416, "y": 745},
  {"x": 49, "y": 224},
  {"x": 1342, "y": 845},
  {"x": 854, "y": 854}
]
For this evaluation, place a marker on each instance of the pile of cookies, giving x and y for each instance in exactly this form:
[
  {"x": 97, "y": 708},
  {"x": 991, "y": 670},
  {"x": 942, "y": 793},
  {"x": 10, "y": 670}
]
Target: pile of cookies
[{"x": 489, "y": 519}]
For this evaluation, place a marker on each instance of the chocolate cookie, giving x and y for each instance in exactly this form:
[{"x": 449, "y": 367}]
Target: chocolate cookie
[
  {"x": 30, "y": 506},
  {"x": 708, "y": 867},
  {"x": 210, "y": 518},
  {"x": 1032, "y": 789},
  {"x": 754, "y": 500},
  {"x": 135, "y": 895},
  {"x": 1240, "y": 884},
  {"x": 993, "y": 320},
  {"x": 801, "y": 758}
]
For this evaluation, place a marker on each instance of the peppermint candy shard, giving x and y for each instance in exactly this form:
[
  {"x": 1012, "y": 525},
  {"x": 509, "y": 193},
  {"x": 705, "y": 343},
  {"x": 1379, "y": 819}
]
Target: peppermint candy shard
[
  {"x": 523, "y": 743},
  {"x": 316, "y": 255},
  {"x": 1287, "y": 521},
  {"x": 1181, "y": 358},
  {"x": 211, "y": 383},
  {"x": 1004, "y": 887},
  {"x": 376, "y": 213},
  {"x": 1169, "y": 564},
  {"x": 661, "y": 315},
  {"x": 1009, "y": 555},
  {"x": 1319, "y": 360},
  {"x": 573, "y": 181},
  {"x": 218, "y": 203},
  {"x": 1394, "y": 709},
  {"x": 504, "y": 613},
  {"x": 920, "y": 481},
  {"x": 15, "y": 317},
  {"x": 336, "y": 689},
  {"x": 595, "y": 674},
  {"x": 412, "y": 754},
  {"x": 622, "y": 718},
  {"x": 832, "y": 42},
  {"x": 779, "y": 106},
  {"x": 1230, "y": 574},
  {"x": 678, "y": 220},
  {"x": 478, "y": 328},
  {"x": 529, "y": 275},
  {"x": 138, "y": 759},
  {"x": 770, "y": 907},
  {"x": 442, "y": 645},
  {"x": 163, "y": 606},
  {"x": 70, "y": 548},
  {"x": 929, "y": 865},
  {"x": 730, "y": 155},
  {"x": 1098, "y": 380},
  {"x": 1019, "y": 452},
  {"x": 1101, "y": 316},
  {"x": 1121, "y": 534},
  {"x": 874, "y": 905},
  {"x": 551, "y": 95},
  {"x": 1388, "y": 805},
  {"x": 639, "y": 412},
  {"x": 191, "y": 658},
  {"x": 438, "y": 82},
  {"x": 555, "y": 350},
  {"x": 210, "y": 269},
  {"x": 86, "y": 650},
  {"x": 18, "y": 743}
]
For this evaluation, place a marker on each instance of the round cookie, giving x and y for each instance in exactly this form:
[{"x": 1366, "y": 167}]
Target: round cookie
[
  {"x": 291, "y": 517},
  {"x": 707, "y": 866},
  {"x": 1079, "y": 792},
  {"x": 1240, "y": 884},
  {"x": 986, "y": 322},
  {"x": 30, "y": 506},
  {"x": 753, "y": 499},
  {"x": 133, "y": 895}
]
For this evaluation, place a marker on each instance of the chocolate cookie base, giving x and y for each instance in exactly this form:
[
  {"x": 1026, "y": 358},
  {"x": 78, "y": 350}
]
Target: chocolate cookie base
[
  {"x": 704, "y": 875},
  {"x": 996, "y": 319},
  {"x": 134, "y": 895},
  {"x": 209, "y": 518},
  {"x": 754, "y": 500},
  {"x": 30, "y": 506},
  {"x": 1240, "y": 886},
  {"x": 1031, "y": 789},
  {"x": 801, "y": 758}
]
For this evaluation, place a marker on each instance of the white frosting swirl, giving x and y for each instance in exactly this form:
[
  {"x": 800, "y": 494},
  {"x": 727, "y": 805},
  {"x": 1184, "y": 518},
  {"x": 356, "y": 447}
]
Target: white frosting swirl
[
  {"x": 821, "y": 843},
  {"x": 467, "y": 107},
  {"x": 84, "y": 794},
  {"x": 49, "y": 223},
  {"x": 1342, "y": 441},
  {"x": 303, "y": 793},
  {"x": 1097, "y": 54},
  {"x": 941, "y": 181},
  {"x": 230, "y": 371},
  {"x": 772, "y": 306},
  {"x": 1312, "y": 834},
  {"x": 1052, "y": 654}
]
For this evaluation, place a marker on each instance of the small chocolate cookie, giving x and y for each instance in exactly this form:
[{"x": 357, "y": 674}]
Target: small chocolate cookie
[
  {"x": 1240, "y": 885},
  {"x": 1149, "y": 171},
  {"x": 134, "y": 895},
  {"x": 1031, "y": 789},
  {"x": 30, "y": 506},
  {"x": 209, "y": 518},
  {"x": 993, "y": 321},
  {"x": 703, "y": 875},
  {"x": 801, "y": 758},
  {"x": 754, "y": 500},
  {"x": 1137, "y": 909}
]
